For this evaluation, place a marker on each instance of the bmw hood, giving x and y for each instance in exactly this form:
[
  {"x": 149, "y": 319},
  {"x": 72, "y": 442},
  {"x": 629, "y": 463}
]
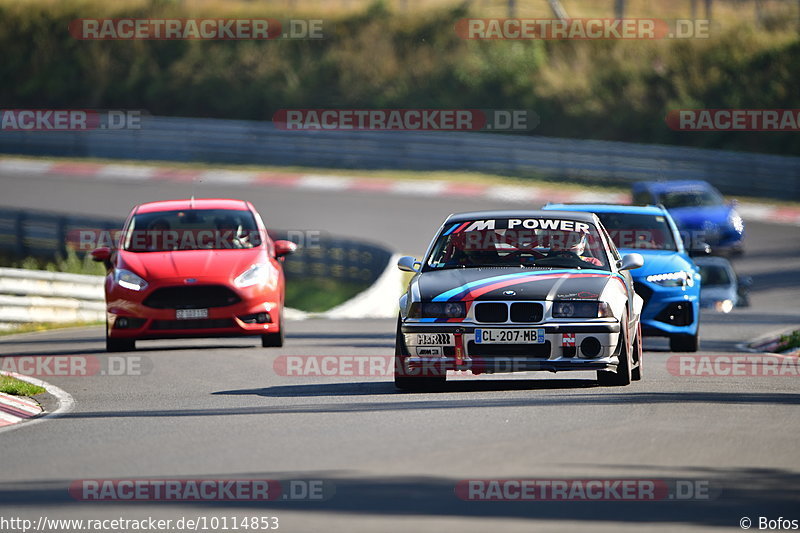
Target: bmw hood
[
  {"x": 511, "y": 284},
  {"x": 218, "y": 264}
]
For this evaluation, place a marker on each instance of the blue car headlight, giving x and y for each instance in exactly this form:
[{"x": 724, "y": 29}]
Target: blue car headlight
[
  {"x": 680, "y": 278},
  {"x": 735, "y": 221}
]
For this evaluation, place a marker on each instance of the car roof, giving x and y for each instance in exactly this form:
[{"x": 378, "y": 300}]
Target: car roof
[
  {"x": 676, "y": 185},
  {"x": 609, "y": 208},
  {"x": 521, "y": 213},
  {"x": 199, "y": 203}
]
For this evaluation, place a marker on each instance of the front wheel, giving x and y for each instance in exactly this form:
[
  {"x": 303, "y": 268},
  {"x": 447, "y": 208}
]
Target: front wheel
[
  {"x": 118, "y": 345},
  {"x": 636, "y": 373},
  {"x": 624, "y": 373},
  {"x": 684, "y": 343},
  {"x": 272, "y": 340},
  {"x": 405, "y": 378}
]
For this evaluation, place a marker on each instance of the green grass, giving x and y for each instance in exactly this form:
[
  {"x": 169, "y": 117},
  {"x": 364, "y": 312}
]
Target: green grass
[
  {"x": 72, "y": 264},
  {"x": 790, "y": 341},
  {"x": 45, "y": 326},
  {"x": 318, "y": 295},
  {"x": 17, "y": 387}
]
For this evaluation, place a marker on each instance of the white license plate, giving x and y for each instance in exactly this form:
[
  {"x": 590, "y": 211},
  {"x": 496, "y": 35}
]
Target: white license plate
[
  {"x": 431, "y": 339},
  {"x": 188, "y": 314},
  {"x": 509, "y": 336}
]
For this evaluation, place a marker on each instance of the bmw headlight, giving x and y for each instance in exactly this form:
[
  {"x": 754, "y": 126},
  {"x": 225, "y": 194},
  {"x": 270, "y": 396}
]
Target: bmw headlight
[
  {"x": 580, "y": 309},
  {"x": 736, "y": 222},
  {"x": 129, "y": 280},
  {"x": 257, "y": 274},
  {"x": 438, "y": 310},
  {"x": 672, "y": 279}
]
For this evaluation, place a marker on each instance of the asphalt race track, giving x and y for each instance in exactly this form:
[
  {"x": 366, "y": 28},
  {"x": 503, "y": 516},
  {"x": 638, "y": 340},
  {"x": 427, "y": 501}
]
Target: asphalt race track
[{"x": 391, "y": 461}]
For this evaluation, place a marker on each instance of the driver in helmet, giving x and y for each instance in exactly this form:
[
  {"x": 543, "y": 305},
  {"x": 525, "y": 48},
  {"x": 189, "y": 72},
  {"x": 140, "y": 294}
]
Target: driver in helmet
[{"x": 580, "y": 249}]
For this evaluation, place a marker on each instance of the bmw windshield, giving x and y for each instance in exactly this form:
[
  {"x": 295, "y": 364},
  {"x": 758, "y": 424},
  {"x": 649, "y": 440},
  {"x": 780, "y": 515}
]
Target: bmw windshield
[{"x": 545, "y": 243}]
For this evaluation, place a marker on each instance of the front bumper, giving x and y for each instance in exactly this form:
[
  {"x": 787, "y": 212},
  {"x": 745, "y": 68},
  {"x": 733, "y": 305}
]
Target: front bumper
[
  {"x": 144, "y": 322},
  {"x": 562, "y": 349},
  {"x": 668, "y": 310}
]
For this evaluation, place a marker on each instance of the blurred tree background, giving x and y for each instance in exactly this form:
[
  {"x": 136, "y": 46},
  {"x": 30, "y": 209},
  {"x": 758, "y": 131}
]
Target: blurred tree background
[{"x": 405, "y": 54}]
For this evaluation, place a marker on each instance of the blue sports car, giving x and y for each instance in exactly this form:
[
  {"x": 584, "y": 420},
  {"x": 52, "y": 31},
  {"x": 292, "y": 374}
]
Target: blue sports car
[
  {"x": 669, "y": 281},
  {"x": 699, "y": 210}
]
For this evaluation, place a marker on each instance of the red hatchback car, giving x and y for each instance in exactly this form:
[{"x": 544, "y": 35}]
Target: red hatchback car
[{"x": 194, "y": 268}]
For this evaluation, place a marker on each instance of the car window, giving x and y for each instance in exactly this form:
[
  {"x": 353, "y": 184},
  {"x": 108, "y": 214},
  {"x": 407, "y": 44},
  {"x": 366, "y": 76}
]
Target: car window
[
  {"x": 690, "y": 198},
  {"x": 518, "y": 243},
  {"x": 611, "y": 245},
  {"x": 191, "y": 229},
  {"x": 643, "y": 232},
  {"x": 714, "y": 275}
]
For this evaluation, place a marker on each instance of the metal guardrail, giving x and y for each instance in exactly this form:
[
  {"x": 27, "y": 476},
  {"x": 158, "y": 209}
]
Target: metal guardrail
[
  {"x": 29, "y": 296},
  {"x": 250, "y": 142},
  {"x": 46, "y": 236}
]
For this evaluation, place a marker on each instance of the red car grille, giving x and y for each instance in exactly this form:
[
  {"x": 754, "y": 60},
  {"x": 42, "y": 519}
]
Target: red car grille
[
  {"x": 210, "y": 323},
  {"x": 194, "y": 297}
]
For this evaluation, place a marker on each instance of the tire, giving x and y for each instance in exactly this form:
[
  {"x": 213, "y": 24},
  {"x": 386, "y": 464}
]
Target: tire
[
  {"x": 624, "y": 373},
  {"x": 404, "y": 382},
  {"x": 684, "y": 343},
  {"x": 636, "y": 372},
  {"x": 274, "y": 340},
  {"x": 119, "y": 345}
]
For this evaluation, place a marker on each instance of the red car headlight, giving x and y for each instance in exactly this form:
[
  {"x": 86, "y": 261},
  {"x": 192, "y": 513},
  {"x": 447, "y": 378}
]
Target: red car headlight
[
  {"x": 129, "y": 280},
  {"x": 257, "y": 274}
]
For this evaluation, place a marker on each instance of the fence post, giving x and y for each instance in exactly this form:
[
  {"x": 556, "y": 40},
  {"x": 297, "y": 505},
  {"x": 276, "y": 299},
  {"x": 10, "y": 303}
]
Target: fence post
[
  {"x": 619, "y": 9},
  {"x": 19, "y": 230}
]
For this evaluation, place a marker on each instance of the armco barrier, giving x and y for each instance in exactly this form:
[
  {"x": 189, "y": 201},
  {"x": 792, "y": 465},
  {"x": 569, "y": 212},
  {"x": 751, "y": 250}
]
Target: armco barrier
[
  {"x": 45, "y": 235},
  {"x": 250, "y": 142},
  {"x": 28, "y": 296}
]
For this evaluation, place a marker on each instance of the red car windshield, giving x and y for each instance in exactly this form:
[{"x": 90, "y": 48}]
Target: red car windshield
[
  {"x": 565, "y": 244},
  {"x": 191, "y": 229}
]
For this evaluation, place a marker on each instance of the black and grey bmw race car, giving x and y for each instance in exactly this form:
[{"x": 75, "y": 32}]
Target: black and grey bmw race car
[{"x": 515, "y": 291}]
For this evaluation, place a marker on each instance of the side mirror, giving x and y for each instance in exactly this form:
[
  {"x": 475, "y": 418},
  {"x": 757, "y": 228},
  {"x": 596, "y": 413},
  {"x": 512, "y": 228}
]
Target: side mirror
[
  {"x": 284, "y": 248},
  {"x": 101, "y": 255},
  {"x": 700, "y": 249},
  {"x": 408, "y": 264},
  {"x": 631, "y": 261}
]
